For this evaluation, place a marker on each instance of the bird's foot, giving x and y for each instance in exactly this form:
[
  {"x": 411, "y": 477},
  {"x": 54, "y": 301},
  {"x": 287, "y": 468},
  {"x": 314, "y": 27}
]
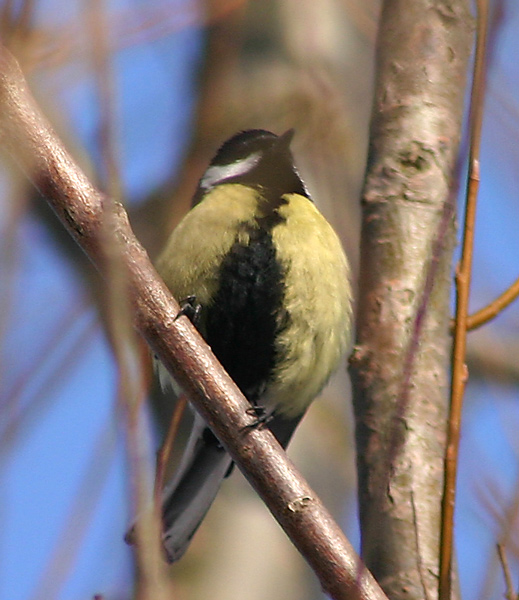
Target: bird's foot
[
  {"x": 191, "y": 309},
  {"x": 262, "y": 417}
]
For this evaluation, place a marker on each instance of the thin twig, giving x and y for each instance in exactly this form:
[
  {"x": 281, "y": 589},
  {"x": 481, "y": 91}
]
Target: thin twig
[
  {"x": 75, "y": 524},
  {"x": 510, "y": 594},
  {"x": 165, "y": 451},
  {"x": 463, "y": 277},
  {"x": 152, "y": 582},
  {"x": 105, "y": 88},
  {"x": 25, "y": 16},
  {"x": 491, "y": 311},
  {"x": 13, "y": 420},
  {"x": 130, "y": 28},
  {"x": 151, "y": 575}
]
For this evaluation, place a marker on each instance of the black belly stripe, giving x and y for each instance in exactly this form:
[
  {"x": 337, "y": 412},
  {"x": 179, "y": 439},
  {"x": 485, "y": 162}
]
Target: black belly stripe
[{"x": 244, "y": 318}]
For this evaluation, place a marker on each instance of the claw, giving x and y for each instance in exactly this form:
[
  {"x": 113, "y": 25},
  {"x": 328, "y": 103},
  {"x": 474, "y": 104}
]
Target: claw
[
  {"x": 191, "y": 309},
  {"x": 262, "y": 417}
]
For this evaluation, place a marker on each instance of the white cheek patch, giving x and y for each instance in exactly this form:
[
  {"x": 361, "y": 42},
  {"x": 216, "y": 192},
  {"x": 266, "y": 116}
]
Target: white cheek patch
[{"x": 218, "y": 173}]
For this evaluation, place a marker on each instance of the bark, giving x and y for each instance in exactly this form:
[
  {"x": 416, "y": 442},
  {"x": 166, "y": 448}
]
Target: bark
[{"x": 401, "y": 360}]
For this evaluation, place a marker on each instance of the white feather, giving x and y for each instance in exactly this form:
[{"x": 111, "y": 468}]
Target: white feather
[{"x": 218, "y": 173}]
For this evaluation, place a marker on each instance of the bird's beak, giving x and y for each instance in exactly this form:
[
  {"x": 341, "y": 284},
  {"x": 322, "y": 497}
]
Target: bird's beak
[
  {"x": 281, "y": 145},
  {"x": 283, "y": 141}
]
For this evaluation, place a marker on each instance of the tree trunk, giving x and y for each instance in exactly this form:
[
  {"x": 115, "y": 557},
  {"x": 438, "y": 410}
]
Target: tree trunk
[{"x": 400, "y": 366}]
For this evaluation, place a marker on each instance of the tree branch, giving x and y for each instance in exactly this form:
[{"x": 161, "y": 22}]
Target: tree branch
[
  {"x": 489, "y": 312},
  {"x": 509, "y": 589},
  {"x": 400, "y": 364},
  {"x": 463, "y": 278},
  {"x": 28, "y": 136}
]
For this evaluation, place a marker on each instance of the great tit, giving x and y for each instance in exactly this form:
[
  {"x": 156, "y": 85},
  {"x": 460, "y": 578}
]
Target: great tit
[{"x": 270, "y": 279}]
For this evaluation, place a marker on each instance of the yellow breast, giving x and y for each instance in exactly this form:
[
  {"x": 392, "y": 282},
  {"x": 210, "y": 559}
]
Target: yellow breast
[{"x": 317, "y": 292}]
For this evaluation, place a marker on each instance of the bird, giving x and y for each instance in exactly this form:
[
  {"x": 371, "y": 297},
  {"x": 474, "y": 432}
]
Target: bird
[{"x": 268, "y": 283}]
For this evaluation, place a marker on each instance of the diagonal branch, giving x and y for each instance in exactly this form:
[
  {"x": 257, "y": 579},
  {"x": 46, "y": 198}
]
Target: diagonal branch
[{"x": 28, "y": 136}]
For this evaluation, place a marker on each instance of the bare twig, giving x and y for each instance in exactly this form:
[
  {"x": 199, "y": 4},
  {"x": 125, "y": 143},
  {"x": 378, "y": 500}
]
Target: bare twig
[
  {"x": 100, "y": 46},
  {"x": 463, "y": 276},
  {"x": 510, "y": 594},
  {"x": 491, "y": 311},
  {"x": 77, "y": 344},
  {"x": 75, "y": 525},
  {"x": 129, "y": 28},
  {"x": 165, "y": 450},
  {"x": 26, "y": 133},
  {"x": 152, "y": 582}
]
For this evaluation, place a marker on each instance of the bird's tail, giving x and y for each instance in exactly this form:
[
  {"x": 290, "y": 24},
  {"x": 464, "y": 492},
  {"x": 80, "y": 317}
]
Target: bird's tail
[
  {"x": 187, "y": 498},
  {"x": 204, "y": 465},
  {"x": 190, "y": 494}
]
